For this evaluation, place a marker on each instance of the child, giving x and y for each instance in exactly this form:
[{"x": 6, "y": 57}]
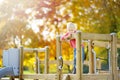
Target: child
[{"x": 71, "y": 28}]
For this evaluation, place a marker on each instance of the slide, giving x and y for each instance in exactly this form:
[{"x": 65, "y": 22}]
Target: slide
[{"x": 6, "y": 71}]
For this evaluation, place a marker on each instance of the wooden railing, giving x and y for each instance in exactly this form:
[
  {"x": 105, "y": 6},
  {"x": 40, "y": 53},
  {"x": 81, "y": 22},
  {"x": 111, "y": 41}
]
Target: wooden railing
[{"x": 100, "y": 40}]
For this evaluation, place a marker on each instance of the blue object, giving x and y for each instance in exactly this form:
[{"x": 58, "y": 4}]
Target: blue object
[
  {"x": 6, "y": 71},
  {"x": 83, "y": 55},
  {"x": 11, "y": 62}
]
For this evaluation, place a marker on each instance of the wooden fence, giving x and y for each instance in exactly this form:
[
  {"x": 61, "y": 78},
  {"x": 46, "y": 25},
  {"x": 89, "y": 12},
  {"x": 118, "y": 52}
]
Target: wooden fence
[{"x": 101, "y": 40}]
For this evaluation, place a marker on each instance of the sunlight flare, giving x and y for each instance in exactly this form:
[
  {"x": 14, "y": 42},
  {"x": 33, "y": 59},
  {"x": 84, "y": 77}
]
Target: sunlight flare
[{"x": 1, "y": 1}]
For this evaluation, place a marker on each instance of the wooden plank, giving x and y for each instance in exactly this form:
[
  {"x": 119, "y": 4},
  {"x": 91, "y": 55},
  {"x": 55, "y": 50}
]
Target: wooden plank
[
  {"x": 89, "y": 76},
  {"x": 104, "y": 44},
  {"x": 96, "y": 77},
  {"x": 118, "y": 41},
  {"x": 93, "y": 36},
  {"x": 118, "y": 45},
  {"x": 34, "y": 49},
  {"x": 40, "y": 76},
  {"x": 71, "y": 76},
  {"x": 64, "y": 62},
  {"x": 66, "y": 77},
  {"x": 101, "y": 43},
  {"x": 5, "y": 78}
]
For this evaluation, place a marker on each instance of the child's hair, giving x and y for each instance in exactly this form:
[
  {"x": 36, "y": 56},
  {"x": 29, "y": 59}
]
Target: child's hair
[{"x": 71, "y": 25}]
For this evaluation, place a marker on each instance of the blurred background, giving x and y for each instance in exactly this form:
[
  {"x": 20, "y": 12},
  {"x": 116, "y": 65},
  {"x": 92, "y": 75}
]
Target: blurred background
[{"x": 35, "y": 24}]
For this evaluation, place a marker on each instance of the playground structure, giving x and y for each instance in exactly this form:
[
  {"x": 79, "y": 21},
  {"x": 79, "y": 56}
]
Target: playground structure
[
  {"x": 108, "y": 40},
  {"x": 101, "y": 40},
  {"x": 13, "y": 61}
]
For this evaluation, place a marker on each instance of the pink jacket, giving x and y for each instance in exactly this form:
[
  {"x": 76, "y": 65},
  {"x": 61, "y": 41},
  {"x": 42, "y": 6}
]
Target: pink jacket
[{"x": 72, "y": 41}]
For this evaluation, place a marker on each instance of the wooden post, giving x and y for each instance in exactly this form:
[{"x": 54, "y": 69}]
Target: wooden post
[
  {"x": 12, "y": 78},
  {"x": 91, "y": 58},
  {"x": 94, "y": 60},
  {"x": 98, "y": 61},
  {"x": 36, "y": 61},
  {"x": 21, "y": 64},
  {"x": 114, "y": 70},
  {"x": 79, "y": 66},
  {"x": 108, "y": 56},
  {"x": 58, "y": 51},
  {"x": 46, "y": 60}
]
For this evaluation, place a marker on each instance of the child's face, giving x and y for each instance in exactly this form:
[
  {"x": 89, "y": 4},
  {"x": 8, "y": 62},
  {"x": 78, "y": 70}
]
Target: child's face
[{"x": 71, "y": 29}]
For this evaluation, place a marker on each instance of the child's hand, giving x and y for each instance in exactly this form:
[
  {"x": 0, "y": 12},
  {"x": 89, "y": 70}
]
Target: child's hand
[{"x": 69, "y": 36}]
